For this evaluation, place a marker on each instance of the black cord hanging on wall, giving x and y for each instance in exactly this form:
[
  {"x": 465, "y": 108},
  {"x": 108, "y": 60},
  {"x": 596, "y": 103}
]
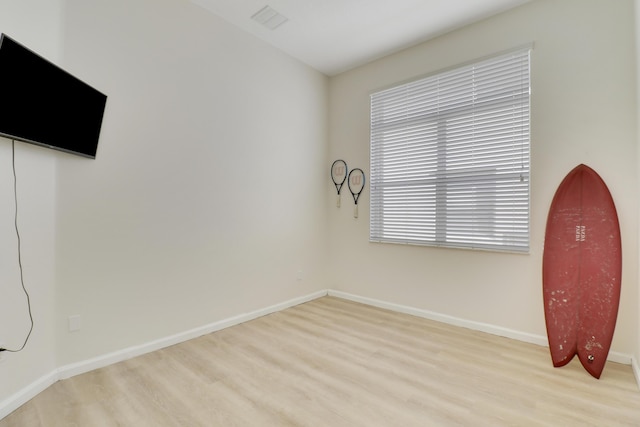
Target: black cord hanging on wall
[{"x": 15, "y": 196}]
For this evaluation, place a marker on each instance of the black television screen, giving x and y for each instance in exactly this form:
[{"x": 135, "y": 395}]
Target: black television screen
[{"x": 44, "y": 105}]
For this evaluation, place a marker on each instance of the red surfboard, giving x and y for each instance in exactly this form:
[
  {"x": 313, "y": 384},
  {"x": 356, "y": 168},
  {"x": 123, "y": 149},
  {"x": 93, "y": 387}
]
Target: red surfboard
[{"x": 581, "y": 271}]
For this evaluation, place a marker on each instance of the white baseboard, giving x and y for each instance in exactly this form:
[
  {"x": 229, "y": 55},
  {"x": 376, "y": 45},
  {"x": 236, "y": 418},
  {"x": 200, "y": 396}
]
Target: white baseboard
[
  {"x": 14, "y": 402},
  {"x": 636, "y": 369},
  {"x": 74, "y": 369},
  {"x": 444, "y": 318},
  {"x": 477, "y": 326},
  {"x": 623, "y": 358}
]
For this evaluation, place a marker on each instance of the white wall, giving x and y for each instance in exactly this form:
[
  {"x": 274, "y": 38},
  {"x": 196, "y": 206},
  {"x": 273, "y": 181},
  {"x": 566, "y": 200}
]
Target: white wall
[
  {"x": 35, "y": 23},
  {"x": 583, "y": 111},
  {"x": 203, "y": 200},
  {"x": 636, "y": 364}
]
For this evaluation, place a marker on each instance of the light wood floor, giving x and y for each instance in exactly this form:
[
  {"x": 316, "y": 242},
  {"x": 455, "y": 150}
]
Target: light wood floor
[{"x": 332, "y": 362}]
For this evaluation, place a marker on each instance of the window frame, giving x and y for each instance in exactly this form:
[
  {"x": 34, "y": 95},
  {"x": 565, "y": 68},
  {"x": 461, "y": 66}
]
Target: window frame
[{"x": 473, "y": 218}]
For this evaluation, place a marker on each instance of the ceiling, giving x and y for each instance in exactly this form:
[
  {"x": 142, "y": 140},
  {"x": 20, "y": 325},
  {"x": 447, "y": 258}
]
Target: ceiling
[{"x": 333, "y": 36}]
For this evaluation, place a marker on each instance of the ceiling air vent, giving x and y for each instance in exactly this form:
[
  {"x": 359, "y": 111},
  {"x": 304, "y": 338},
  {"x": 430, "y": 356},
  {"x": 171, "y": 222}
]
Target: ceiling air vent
[{"x": 269, "y": 17}]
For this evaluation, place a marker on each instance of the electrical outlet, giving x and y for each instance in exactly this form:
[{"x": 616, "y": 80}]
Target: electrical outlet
[{"x": 75, "y": 323}]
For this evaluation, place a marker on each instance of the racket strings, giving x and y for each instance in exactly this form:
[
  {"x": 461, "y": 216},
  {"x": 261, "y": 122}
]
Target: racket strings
[
  {"x": 355, "y": 182},
  {"x": 339, "y": 170},
  {"x": 354, "y": 178}
]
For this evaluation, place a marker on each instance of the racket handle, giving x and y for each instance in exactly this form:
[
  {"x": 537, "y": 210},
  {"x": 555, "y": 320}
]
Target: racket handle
[
  {"x": 338, "y": 202},
  {"x": 355, "y": 211}
]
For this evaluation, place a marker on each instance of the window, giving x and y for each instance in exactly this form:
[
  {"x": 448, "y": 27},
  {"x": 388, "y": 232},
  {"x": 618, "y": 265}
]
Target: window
[{"x": 450, "y": 158}]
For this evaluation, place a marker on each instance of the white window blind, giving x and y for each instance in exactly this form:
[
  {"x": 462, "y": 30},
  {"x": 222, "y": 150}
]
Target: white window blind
[{"x": 450, "y": 158}]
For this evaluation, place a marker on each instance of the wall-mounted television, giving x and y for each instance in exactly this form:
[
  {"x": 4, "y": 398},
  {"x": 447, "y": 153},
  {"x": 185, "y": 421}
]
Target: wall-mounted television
[{"x": 42, "y": 104}]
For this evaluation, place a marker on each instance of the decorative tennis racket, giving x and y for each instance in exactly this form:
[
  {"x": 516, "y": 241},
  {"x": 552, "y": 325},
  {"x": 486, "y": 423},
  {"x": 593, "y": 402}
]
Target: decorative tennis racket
[
  {"x": 339, "y": 176},
  {"x": 356, "y": 185}
]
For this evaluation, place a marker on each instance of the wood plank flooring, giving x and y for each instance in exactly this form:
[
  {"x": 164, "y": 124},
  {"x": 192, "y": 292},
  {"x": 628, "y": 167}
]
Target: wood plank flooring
[{"x": 331, "y": 362}]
